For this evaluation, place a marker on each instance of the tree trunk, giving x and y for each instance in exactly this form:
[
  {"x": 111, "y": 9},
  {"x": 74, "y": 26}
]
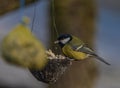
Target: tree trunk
[{"x": 77, "y": 17}]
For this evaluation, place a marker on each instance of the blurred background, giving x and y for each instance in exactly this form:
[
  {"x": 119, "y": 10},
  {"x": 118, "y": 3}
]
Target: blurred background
[{"x": 106, "y": 33}]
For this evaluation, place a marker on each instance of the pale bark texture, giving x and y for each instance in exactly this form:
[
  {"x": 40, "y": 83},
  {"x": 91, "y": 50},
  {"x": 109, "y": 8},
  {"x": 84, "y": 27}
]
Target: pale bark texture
[{"x": 77, "y": 17}]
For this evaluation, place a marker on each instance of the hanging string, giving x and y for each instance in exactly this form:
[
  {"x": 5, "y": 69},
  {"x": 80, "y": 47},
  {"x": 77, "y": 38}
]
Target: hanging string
[
  {"x": 34, "y": 16},
  {"x": 22, "y": 6},
  {"x": 55, "y": 47},
  {"x": 53, "y": 18}
]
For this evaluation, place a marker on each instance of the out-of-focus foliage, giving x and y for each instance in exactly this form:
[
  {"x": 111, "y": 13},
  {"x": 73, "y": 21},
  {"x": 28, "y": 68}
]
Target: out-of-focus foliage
[
  {"x": 21, "y": 48},
  {"x": 9, "y": 5}
]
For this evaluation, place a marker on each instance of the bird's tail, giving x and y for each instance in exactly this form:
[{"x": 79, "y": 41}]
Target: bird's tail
[{"x": 101, "y": 59}]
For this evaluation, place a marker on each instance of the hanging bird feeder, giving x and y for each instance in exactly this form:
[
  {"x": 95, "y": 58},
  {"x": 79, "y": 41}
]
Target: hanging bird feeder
[{"x": 21, "y": 47}]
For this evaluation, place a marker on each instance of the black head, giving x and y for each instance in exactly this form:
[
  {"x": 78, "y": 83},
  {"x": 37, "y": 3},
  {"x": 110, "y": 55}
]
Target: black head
[{"x": 63, "y": 39}]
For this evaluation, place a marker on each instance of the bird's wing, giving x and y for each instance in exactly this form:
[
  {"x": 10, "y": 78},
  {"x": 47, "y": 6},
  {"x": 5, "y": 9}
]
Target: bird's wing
[{"x": 85, "y": 49}]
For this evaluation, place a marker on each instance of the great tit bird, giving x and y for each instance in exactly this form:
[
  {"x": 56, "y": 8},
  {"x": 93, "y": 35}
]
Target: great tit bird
[{"x": 74, "y": 48}]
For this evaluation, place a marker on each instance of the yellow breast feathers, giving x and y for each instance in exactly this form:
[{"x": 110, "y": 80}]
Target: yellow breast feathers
[{"x": 68, "y": 51}]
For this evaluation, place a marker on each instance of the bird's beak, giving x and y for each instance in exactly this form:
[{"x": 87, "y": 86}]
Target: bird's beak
[{"x": 56, "y": 42}]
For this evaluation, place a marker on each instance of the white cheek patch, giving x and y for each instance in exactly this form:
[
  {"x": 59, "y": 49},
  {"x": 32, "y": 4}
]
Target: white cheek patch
[{"x": 64, "y": 41}]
